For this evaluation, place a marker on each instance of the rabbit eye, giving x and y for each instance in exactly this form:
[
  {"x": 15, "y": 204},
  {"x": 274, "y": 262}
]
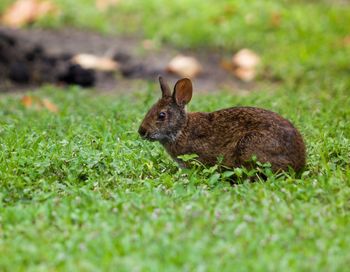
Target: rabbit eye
[{"x": 161, "y": 115}]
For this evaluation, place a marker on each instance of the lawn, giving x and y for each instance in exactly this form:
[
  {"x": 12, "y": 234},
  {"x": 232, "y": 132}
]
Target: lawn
[{"x": 81, "y": 191}]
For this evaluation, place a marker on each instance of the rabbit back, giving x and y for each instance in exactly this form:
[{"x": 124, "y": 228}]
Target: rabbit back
[{"x": 237, "y": 134}]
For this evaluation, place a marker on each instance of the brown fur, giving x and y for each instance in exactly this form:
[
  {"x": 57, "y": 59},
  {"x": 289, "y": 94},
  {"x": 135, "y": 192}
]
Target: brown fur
[{"x": 235, "y": 134}]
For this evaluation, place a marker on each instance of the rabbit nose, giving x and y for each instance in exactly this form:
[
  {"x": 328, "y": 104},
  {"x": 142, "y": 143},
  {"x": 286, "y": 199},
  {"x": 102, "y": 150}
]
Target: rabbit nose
[{"x": 142, "y": 132}]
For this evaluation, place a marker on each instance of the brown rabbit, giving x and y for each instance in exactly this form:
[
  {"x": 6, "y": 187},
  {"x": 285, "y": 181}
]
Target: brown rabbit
[{"x": 235, "y": 134}]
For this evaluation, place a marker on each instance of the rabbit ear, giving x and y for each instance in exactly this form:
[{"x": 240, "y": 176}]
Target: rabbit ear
[
  {"x": 164, "y": 87},
  {"x": 183, "y": 91}
]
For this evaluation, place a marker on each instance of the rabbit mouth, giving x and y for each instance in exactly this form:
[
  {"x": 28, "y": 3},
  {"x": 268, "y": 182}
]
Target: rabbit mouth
[
  {"x": 155, "y": 137},
  {"x": 151, "y": 139},
  {"x": 148, "y": 137}
]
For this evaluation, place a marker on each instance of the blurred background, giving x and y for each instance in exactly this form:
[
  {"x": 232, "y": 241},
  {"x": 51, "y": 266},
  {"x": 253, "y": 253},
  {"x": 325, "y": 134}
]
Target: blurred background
[
  {"x": 81, "y": 191},
  {"x": 113, "y": 45}
]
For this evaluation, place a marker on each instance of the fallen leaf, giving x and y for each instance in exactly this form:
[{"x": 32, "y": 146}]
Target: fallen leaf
[
  {"x": 245, "y": 63},
  {"x": 226, "y": 65},
  {"x": 346, "y": 40},
  {"x": 103, "y": 5},
  {"x": 89, "y": 61},
  {"x": 23, "y": 12},
  {"x": 49, "y": 105},
  {"x": 184, "y": 66},
  {"x": 275, "y": 19},
  {"x": 148, "y": 44},
  {"x": 34, "y": 102},
  {"x": 241, "y": 73},
  {"x": 245, "y": 74},
  {"x": 245, "y": 58},
  {"x": 27, "y": 101}
]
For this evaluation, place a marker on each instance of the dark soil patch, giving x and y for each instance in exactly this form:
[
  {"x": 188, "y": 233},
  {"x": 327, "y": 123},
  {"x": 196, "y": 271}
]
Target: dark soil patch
[{"x": 31, "y": 57}]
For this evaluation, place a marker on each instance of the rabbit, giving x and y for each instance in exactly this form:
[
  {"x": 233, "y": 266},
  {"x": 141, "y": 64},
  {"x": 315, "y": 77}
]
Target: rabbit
[{"x": 234, "y": 134}]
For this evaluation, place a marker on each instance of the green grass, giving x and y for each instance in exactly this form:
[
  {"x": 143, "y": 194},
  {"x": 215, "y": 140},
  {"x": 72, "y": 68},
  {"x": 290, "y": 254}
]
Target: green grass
[{"x": 80, "y": 191}]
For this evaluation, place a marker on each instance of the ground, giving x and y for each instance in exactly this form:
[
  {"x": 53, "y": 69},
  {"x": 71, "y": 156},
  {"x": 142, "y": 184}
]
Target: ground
[
  {"x": 137, "y": 63},
  {"x": 81, "y": 191}
]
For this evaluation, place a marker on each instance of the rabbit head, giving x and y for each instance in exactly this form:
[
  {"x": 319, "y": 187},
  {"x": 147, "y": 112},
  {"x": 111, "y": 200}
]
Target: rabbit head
[{"x": 168, "y": 116}]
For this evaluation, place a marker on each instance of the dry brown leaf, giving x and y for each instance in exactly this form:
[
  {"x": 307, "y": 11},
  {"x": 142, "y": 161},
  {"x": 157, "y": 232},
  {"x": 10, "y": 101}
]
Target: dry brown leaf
[
  {"x": 184, "y": 66},
  {"x": 275, "y": 19},
  {"x": 245, "y": 63},
  {"x": 19, "y": 13},
  {"x": 31, "y": 102},
  {"x": 245, "y": 74},
  {"x": 226, "y": 65},
  {"x": 346, "y": 40},
  {"x": 23, "y": 12},
  {"x": 49, "y": 105},
  {"x": 27, "y": 101},
  {"x": 148, "y": 44},
  {"x": 36, "y": 103},
  {"x": 103, "y": 5},
  {"x": 245, "y": 58},
  {"x": 89, "y": 61}
]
